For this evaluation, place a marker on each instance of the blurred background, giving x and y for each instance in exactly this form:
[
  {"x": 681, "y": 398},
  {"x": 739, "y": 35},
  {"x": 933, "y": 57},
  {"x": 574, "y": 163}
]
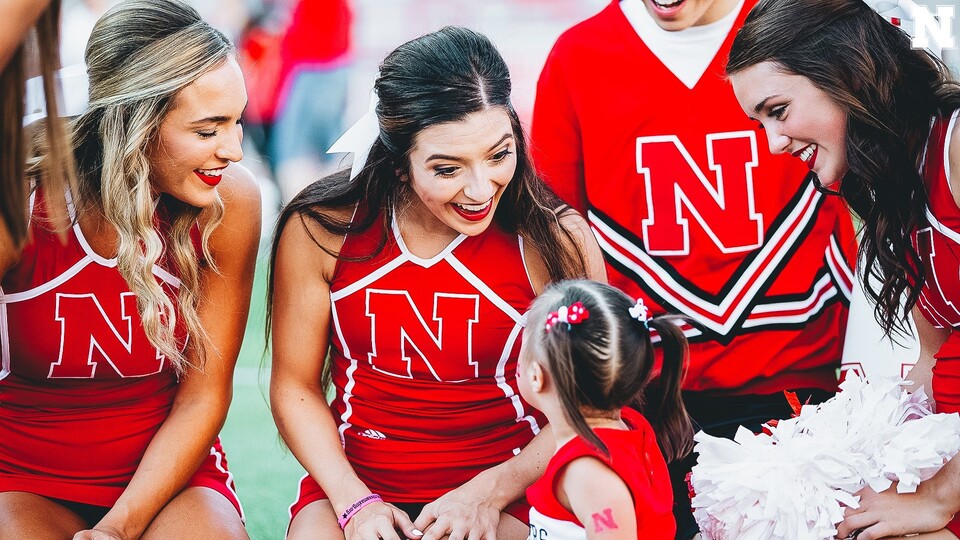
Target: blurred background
[{"x": 310, "y": 65}]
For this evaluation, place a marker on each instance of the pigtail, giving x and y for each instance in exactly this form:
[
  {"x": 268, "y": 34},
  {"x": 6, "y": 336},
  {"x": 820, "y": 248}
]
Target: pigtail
[
  {"x": 665, "y": 406},
  {"x": 559, "y": 347}
]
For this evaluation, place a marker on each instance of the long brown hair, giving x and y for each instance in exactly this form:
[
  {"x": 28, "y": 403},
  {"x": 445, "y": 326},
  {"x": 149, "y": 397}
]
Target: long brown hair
[
  {"x": 890, "y": 92},
  {"x": 437, "y": 78},
  {"x": 605, "y": 362},
  {"x": 57, "y": 173}
]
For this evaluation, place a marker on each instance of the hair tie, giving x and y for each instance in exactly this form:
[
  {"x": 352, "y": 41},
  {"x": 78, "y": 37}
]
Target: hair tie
[
  {"x": 575, "y": 314},
  {"x": 640, "y": 312},
  {"x": 359, "y": 139}
]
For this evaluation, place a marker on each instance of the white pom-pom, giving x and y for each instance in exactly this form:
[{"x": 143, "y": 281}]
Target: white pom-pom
[{"x": 794, "y": 481}]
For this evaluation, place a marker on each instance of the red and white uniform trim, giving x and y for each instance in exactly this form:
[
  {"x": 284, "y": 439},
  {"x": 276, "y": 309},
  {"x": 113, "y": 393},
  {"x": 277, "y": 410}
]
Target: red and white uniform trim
[
  {"x": 423, "y": 356},
  {"x": 78, "y": 374}
]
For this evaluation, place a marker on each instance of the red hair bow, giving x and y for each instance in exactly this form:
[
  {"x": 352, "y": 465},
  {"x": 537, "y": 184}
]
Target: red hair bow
[{"x": 575, "y": 314}]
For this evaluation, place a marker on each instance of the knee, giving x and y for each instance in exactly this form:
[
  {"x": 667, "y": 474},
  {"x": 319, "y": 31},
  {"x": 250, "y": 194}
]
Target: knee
[{"x": 199, "y": 513}]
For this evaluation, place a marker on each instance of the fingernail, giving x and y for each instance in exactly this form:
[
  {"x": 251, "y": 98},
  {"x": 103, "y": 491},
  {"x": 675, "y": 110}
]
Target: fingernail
[{"x": 417, "y": 532}]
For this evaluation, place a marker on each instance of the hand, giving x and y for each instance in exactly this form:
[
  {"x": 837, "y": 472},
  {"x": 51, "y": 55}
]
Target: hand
[
  {"x": 893, "y": 514},
  {"x": 380, "y": 520},
  {"x": 100, "y": 533},
  {"x": 459, "y": 514}
]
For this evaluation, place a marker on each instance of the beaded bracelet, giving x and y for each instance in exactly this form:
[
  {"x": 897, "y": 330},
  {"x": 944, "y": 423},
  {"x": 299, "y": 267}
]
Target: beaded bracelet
[{"x": 348, "y": 514}]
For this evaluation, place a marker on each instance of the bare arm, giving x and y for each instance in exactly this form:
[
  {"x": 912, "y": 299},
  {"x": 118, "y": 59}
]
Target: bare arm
[
  {"x": 9, "y": 254},
  {"x": 301, "y": 329},
  {"x": 599, "y": 498},
  {"x": 889, "y": 514},
  {"x": 586, "y": 242},
  {"x": 203, "y": 396},
  {"x": 931, "y": 338}
]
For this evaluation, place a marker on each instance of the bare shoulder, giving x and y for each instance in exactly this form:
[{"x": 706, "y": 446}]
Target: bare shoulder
[
  {"x": 239, "y": 189},
  {"x": 9, "y": 254},
  {"x": 585, "y": 242},
  {"x": 599, "y": 498},
  {"x": 573, "y": 221},
  {"x": 237, "y": 237},
  {"x": 303, "y": 242},
  {"x": 577, "y": 238}
]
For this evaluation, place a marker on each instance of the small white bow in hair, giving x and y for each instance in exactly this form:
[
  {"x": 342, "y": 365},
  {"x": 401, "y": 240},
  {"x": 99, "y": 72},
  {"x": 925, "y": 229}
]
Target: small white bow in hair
[
  {"x": 359, "y": 139},
  {"x": 640, "y": 312}
]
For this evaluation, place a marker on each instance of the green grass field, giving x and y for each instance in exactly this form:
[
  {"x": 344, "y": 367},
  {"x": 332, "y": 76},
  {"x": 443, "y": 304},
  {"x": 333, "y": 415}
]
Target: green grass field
[{"x": 266, "y": 473}]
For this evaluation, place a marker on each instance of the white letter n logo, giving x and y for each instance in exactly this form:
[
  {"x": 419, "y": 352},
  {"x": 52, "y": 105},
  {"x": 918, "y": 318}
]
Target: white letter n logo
[
  {"x": 89, "y": 336},
  {"x": 399, "y": 328},
  {"x": 726, "y": 211}
]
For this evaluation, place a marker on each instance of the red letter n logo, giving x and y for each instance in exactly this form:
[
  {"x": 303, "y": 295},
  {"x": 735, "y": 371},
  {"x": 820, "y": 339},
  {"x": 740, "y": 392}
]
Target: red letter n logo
[
  {"x": 604, "y": 522},
  {"x": 88, "y": 337},
  {"x": 411, "y": 347},
  {"x": 725, "y": 209}
]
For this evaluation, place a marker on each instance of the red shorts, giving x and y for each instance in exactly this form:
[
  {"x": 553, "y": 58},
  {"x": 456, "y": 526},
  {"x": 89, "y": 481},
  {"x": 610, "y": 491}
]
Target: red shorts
[
  {"x": 309, "y": 491},
  {"x": 213, "y": 474},
  {"x": 954, "y": 526}
]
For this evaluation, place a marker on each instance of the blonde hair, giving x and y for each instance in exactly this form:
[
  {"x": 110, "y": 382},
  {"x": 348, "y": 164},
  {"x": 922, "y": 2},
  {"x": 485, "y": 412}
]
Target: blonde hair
[
  {"x": 57, "y": 171},
  {"x": 140, "y": 55}
]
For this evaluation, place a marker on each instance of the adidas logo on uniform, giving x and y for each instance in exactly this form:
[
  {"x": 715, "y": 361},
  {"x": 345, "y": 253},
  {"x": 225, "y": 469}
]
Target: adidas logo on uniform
[{"x": 373, "y": 434}]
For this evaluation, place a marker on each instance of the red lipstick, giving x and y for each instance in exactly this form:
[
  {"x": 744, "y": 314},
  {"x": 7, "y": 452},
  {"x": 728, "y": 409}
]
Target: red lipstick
[
  {"x": 472, "y": 216},
  {"x": 209, "y": 180}
]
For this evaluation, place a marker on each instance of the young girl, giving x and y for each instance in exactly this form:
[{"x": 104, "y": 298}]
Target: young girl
[{"x": 586, "y": 355}]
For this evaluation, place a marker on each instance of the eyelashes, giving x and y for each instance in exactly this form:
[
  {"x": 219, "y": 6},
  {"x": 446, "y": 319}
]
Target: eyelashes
[
  {"x": 777, "y": 113},
  {"x": 211, "y": 134},
  {"x": 451, "y": 171}
]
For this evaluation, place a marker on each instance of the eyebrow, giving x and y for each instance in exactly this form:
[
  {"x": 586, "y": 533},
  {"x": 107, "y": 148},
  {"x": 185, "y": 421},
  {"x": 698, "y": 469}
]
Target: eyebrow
[
  {"x": 455, "y": 158},
  {"x": 210, "y": 120},
  {"x": 217, "y": 119},
  {"x": 763, "y": 102}
]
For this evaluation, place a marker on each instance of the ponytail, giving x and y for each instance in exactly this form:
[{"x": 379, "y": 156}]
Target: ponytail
[{"x": 665, "y": 406}]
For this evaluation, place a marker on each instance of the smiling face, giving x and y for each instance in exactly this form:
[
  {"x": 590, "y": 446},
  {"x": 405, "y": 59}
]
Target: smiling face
[
  {"x": 797, "y": 117},
  {"x": 459, "y": 171},
  {"x": 200, "y": 136},
  {"x": 673, "y": 15}
]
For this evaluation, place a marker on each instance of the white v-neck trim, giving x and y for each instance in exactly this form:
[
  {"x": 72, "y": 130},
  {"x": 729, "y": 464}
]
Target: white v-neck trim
[
  {"x": 426, "y": 263},
  {"x": 157, "y": 270},
  {"x": 686, "y": 53},
  {"x": 87, "y": 248}
]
